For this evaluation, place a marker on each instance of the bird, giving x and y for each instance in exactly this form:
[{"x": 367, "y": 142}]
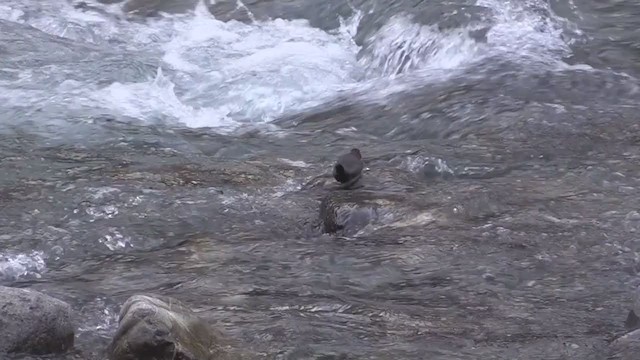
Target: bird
[{"x": 348, "y": 168}]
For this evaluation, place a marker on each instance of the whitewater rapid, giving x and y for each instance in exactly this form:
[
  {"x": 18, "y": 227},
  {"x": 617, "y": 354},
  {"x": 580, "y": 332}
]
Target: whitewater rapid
[
  {"x": 195, "y": 71},
  {"x": 200, "y": 72}
]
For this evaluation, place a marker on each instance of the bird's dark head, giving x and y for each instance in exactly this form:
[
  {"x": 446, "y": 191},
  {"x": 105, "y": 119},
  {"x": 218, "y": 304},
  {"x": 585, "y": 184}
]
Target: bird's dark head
[{"x": 356, "y": 152}]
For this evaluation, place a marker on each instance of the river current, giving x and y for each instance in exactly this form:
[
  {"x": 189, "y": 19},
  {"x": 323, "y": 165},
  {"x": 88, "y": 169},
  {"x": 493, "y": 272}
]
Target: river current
[{"x": 170, "y": 147}]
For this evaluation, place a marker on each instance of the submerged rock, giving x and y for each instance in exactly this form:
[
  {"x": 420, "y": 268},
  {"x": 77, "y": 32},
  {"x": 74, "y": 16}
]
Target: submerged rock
[
  {"x": 160, "y": 327},
  {"x": 34, "y": 323},
  {"x": 155, "y": 7},
  {"x": 321, "y": 14}
]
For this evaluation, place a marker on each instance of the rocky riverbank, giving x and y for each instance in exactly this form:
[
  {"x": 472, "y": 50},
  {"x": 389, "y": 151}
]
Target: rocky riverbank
[{"x": 149, "y": 327}]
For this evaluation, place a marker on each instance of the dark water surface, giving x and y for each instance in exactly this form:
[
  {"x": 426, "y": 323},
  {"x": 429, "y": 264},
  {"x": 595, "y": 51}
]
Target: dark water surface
[{"x": 500, "y": 213}]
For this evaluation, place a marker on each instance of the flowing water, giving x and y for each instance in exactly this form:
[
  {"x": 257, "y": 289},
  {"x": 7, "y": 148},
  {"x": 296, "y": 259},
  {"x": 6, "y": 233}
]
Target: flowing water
[{"x": 168, "y": 153}]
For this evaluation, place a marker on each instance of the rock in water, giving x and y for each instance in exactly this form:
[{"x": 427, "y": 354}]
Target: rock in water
[
  {"x": 34, "y": 323},
  {"x": 348, "y": 168},
  {"x": 625, "y": 347},
  {"x": 159, "y": 328},
  {"x": 155, "y": 7}
]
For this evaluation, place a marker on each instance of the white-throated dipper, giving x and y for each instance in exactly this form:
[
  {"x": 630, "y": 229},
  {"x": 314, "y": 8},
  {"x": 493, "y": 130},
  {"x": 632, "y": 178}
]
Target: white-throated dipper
[{"x": 348, "y": 169}]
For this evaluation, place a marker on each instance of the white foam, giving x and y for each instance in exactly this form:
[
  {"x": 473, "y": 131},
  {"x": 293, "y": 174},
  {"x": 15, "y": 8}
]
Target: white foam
[
  {"x": 102, "y": 212},
  {"x": 10, "y": 13},
  {"x": 258, "y": 71},
  {"x": 296, "y": 163},
  {"x": 416, "y": 164},
  {"x": 14, "y": 266},
  {"x": 57, "y": 18},
  {"x": 98, "y": 318},
  {"x": 115, "y": 240},
  {"x": 101, "y": 192},
  {"x": 520, "y": 31},
  {"x": 402, "y": 45},
  {"x": 157, "y": 98},
  {"x": 289, "y": 186},
  {"x": 224, "y": 75}
]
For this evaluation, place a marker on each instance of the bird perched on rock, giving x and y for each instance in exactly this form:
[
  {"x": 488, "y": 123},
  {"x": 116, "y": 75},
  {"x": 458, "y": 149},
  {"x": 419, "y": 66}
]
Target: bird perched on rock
[{"x": 348, "y": 168}]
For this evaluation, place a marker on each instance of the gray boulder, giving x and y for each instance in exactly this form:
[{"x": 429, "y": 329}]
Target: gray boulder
[
  {"x": 626, "y": 347},
  {"x": 34, "y": 323},
  {"x": 160, "y": 327}
]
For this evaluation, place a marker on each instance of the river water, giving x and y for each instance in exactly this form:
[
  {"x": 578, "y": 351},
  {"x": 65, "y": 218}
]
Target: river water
[{"x": 171, "y": 152}]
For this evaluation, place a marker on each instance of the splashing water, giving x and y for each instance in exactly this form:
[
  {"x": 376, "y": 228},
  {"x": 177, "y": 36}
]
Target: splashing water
[
  {"x": 207, "y": 73},
  {"x": 514, "y": 30},
  {"x": 402, "y": 45},
  {"x": 521, "y": 31},
  {"x": 14, "y": 266},
  {"x": 211, "y": 73}
]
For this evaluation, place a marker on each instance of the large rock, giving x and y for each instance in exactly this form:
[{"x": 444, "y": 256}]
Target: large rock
[
  {"x": 626, "y": 347},
  {"x": 160, "y": 327},
  {"x": 34, "y": 323}
]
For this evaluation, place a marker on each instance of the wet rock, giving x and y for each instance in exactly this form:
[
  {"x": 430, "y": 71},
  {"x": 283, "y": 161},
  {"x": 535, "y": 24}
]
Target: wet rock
[
  {"x": 159, "y": 327},
  {"x": 34, "y": 323},
  {"x": 626, "y": 347},
  {"x": 219, "y": 175},
  {"x": 321, "y": 14},
  {"x": 154, "y": 7}
]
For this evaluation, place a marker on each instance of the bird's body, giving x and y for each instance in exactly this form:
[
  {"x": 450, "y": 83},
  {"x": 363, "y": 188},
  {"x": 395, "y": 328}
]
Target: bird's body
[{"x": 348, "y": 168}]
